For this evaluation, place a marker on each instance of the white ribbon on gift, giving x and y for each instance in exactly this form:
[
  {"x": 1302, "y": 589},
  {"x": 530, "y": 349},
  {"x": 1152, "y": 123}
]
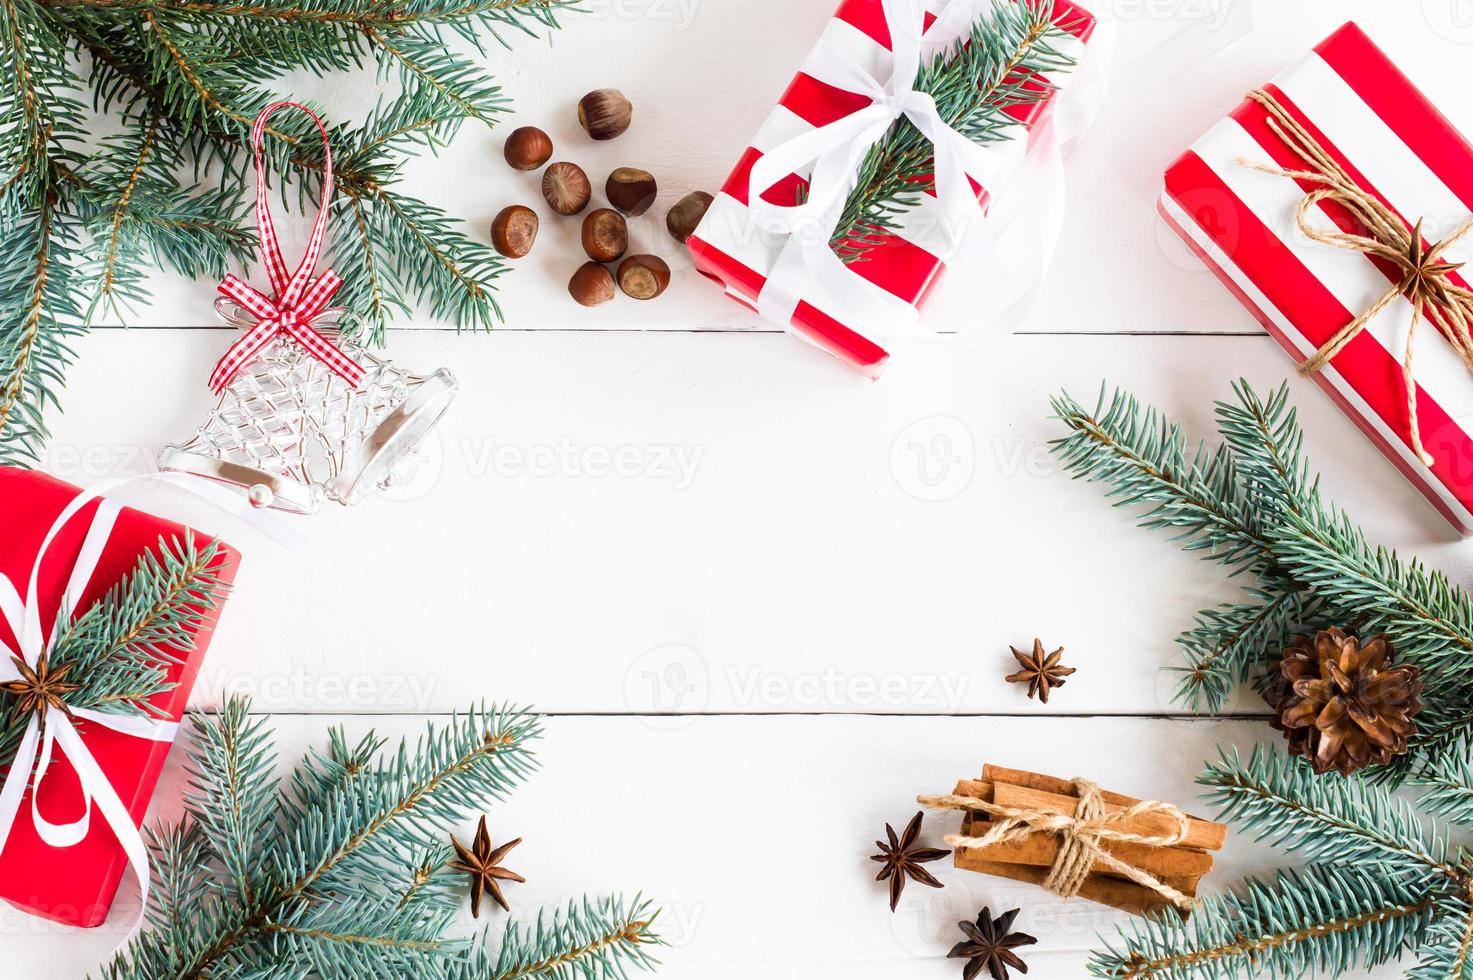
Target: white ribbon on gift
[
  {"x": 39, "y": 743},
  {"x": 806, "y": 262},
  {"x": 1012, "y": 249}
]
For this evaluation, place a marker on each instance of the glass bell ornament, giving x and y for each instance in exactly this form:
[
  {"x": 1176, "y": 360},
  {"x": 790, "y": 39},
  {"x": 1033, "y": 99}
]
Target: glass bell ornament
[{"x": 291, "y": 433}]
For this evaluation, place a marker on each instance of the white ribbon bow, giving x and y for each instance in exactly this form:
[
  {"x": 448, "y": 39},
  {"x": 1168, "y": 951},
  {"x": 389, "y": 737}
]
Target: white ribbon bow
[
  {"x": 33, "y": 758},
  {"x": 806, "y": 263},
  {"x": 39, "y": 742}
]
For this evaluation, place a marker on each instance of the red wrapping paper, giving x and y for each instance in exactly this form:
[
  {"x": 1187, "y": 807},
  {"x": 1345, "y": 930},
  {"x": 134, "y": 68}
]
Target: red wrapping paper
[
  {"x": 727, "y": 248},
  {"x": 1396, "y": 145},
  {"x": 76, "y": 885}
]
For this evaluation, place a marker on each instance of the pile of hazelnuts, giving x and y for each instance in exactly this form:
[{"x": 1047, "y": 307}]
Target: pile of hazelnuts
[{"x": 604, "y": 114}]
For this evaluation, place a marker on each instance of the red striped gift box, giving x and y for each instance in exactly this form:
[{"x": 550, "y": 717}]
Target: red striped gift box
[
  {"x": 729, "y": 248},
  {"x": 1242, "y": 222}
]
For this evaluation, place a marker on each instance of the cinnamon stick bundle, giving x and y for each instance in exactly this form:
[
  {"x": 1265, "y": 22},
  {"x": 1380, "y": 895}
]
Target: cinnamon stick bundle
[{"x": 1169, "y": 873}]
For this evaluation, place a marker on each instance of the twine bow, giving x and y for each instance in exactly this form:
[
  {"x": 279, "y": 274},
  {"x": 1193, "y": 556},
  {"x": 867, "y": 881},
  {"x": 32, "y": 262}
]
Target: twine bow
[
  {"x": 1081, "y": 836},
  {"x": 1425, "y": 277},
  {"x": 298, "y": 298}
]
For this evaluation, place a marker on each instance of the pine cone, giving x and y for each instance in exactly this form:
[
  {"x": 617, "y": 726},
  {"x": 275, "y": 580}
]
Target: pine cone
[{"x": 1341, "y": 704}]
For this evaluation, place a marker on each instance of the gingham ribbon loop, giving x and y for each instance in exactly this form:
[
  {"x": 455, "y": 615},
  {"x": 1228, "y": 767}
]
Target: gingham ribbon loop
[{"x": 298, "y": 298}]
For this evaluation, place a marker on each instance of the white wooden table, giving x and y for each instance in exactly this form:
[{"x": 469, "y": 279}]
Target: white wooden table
[{"x": 788, "y": 612}]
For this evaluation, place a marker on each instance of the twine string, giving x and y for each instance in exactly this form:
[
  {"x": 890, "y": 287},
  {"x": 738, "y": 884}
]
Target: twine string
[
  {"x": 1424, "y": 275},
  {"x": 1082, "y": 836}
]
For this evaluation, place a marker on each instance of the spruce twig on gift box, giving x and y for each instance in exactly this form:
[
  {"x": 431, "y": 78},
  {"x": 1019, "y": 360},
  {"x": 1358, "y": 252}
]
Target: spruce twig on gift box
[
  {"x": 116, "y": 652},
  {"x": 185, "y": 79},
  {"x": 1002, "y": 66},
  {"x": 342, "y": 870}
]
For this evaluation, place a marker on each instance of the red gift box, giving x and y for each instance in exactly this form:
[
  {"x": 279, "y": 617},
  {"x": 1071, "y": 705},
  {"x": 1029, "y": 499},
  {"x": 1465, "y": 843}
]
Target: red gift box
[
  {"x": 728, "y": 246},
  {"x": 76, "y": 885},
  {"x": 1242, "y": 222}
]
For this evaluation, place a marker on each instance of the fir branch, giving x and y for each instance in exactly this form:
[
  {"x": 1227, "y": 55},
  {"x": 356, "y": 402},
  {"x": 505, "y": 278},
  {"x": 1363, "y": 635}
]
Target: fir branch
[
  {"x": 233, "y": 795},
  {"x": 343, "y": 872},
  {"x": 187, "y": 79},
  {"x": 333, "y": 846},
  {"x": 455, "y": 86},
  {"x": 1426, "y": 617},
  {"x": 1144, "y": 459},
  {"x": 1004, "y": 64},
  {"x": 1447, "y": 788},
  {"x": 39, "y": 314},
  {"x": 1227, "y": 644},
  {"x": 1447, "y": 953},
  {"x": 1324, "y": 918},
  {"x": 1347, "y": 820},
  {"x": 140, "y": 215},
  {"x": 436, "y": 263},
  {"x": 120, "y": 647},
  {"x": 1253, "y": 505},
  {"x": 348, "y": 14},
  {"x": 589, "y": 939}
]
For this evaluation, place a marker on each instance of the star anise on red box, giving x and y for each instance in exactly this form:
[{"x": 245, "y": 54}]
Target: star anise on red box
[
  {"x": 40, "y": 688},
  {"x": 903, "y": 859}
]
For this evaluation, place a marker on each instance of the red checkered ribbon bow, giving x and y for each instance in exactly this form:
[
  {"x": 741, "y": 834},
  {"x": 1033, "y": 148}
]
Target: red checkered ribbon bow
[{"x": 299, "y": 298}]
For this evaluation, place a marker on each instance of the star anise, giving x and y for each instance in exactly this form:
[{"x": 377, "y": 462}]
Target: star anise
[
  {"x": 990, "y": 943},
  {"x": 40, "y": 687},
  {"x": 1041, "y": 671},
  {"x": 1426, "y": 273},
  {"x": 903, "y": 859},
  {"x": 483, "y": 864}
]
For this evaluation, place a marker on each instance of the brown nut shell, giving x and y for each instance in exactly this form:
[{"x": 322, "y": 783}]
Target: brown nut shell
[
  {"x": 643, "y": 276},
  {"x": 527, "y": 148},
  {"x": 566, "y": 188},
  {"x": 605, "y": 235},
  {"x": 514, "y": 231},
  {"x": 605, "y": 113},
  {"x": 631, "y": 190},
  {"x": 592, "y": 285},
  {"x": 681, "y": 221}
]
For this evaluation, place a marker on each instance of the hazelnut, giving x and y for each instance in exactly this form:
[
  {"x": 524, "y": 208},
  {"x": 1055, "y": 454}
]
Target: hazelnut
[
  {"x": 514, "y": 231},
  {"x": 592, "y": 285},
  {"x": 605, "y": 113},
  {"x": 631, "y": 190},
  {"x": 605, "y": 235},
  {"x": 528, "y": 148},
  {"x": 686, "y": 215},
  {"x": 566, "y": 188},
  {"x": 643, "y": 276}
]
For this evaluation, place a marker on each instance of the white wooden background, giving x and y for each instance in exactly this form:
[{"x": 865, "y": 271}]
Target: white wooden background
[{"x": 789, "y": 612}]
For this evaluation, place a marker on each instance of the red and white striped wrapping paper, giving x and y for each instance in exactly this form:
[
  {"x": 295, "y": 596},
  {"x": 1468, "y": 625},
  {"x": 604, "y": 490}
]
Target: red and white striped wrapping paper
[
  {"x": 731, "y": 249},
  {"x": 1241, "y": 222}
]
